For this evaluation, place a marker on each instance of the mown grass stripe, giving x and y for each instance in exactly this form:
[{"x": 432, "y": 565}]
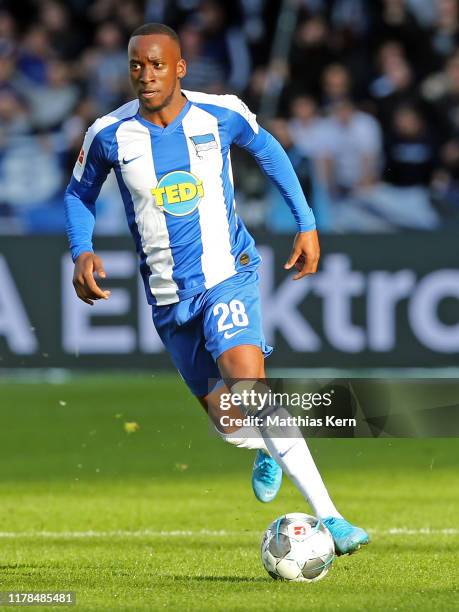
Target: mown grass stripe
[{"x": 120, "y": 533}]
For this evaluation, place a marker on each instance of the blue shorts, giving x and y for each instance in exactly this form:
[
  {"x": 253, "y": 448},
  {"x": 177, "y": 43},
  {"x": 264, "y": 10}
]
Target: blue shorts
[{"x": 198, "y": 330}]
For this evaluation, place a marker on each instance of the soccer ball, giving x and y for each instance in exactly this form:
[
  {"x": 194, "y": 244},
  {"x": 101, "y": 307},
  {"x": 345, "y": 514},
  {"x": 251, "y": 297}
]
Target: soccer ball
[{"x": 297, "y": 547}]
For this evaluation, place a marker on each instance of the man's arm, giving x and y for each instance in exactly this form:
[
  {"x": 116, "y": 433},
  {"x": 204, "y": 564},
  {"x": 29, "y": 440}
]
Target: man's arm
[
  {"x": 89, "y": 174},
  {"x": 274, "y": 162},
  {"x": 80, "y": 218}
]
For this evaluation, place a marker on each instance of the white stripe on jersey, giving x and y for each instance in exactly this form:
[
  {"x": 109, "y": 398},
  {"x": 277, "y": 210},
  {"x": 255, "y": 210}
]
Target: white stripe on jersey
[
  {"x": 134, "y": 146},
  {"x": 123, "y": 112},
  {"x": 224, "y": 101},
  {"x": 231, "y": 178},
  {"x": 217, "y": 260}
]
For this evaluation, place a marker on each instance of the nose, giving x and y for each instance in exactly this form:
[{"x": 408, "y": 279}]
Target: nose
[{"x": 147, "y": 74}]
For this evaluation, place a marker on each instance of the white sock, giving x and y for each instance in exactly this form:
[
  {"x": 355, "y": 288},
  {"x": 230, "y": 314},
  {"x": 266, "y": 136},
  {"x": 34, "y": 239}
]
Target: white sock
[
  {"x": 245, "y": 437},
  {"x": 290, "y": 453},
  {"x": 295, "y": 459}
]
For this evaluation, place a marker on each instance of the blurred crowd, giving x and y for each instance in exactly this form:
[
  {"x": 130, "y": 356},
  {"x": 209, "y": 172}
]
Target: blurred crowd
[{"x": 364, "y": 96}]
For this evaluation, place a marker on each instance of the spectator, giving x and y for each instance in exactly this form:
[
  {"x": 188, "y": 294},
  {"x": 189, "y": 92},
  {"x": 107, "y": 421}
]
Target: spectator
[
  {"x": 30, "y": 170},
  {"x": 65, "y": 41},
  {"x": 445, "y": 35},
  {"x": 225, "y": 45},
  {"x": 394, "y": 85},
  {"x": 7, "y": 34},
  {"x": 8, "y": 76},
  {"x": 352, "y": 148},
  {"x": 51, "y": 103},
  {"x": 404, "y": 200},
  {"x": 129, "y": 16},
  {"x": 424, "y": 11},
  {"x": 306, "y": 128},
  {"x": 336, "y": 84},
  {"x": 203, "y": 73},
  {"x": 264, "y": 82},
  {"x": 14, "y": 118},
  {"x": 443, "y": 95},
  {"x": 104, "y": 68},
  {"x": 396, "y": 23},
  {"x": 445, "y": 185},
  {"x": 257, "y": 28},
  {"x": 34, "y": 54},
  {"x": 75, "y": 125},
  {"x": 350, "y": 18},
  {"x": 310, "y": 48},
  {"x": 100, "y": 11},
  {"x": 410, "y": 150}
]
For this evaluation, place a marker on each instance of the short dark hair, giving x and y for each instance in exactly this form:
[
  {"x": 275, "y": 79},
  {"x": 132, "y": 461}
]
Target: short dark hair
[{"x": 156, "y": 28}]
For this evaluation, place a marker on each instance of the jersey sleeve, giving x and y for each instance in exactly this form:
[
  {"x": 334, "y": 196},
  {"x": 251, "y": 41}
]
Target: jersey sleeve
[
  {"x": 243, "y": 126},
  {"x": 273, "y": 160},
  {"x": 90, "y": 171}
]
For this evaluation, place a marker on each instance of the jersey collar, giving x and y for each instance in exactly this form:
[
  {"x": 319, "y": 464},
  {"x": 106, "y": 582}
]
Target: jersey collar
[{"x": 169, "y": 128}]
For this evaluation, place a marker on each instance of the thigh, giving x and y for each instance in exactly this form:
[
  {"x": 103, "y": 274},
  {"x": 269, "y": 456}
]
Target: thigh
[
  {"x": 185, "y": 342},
  {"x": 232, "y": 316},
  {"x": 240, "y": 362}
]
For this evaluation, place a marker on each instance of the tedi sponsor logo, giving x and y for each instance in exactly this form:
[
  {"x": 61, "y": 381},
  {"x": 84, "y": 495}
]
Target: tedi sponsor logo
[{"x": 178, "y": 193}]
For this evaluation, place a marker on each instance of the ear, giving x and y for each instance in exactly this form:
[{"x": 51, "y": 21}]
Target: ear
[{"x": 181, "y": 68}]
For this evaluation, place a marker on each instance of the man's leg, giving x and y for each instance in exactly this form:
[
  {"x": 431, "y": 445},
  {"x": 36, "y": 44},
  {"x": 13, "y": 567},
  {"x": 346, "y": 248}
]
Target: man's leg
[
  {"x": 242, "y": 437},
  {"x": 292, "y": 454},
  {"x": 266, "y": 473},
  {"x": 182, "y": 331},
  {"x": 185, "y": 343}
]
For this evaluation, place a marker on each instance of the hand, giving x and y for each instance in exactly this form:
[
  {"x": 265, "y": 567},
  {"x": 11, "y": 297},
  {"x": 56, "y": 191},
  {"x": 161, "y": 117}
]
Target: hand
[
  {"x": 305, "y": 254},
  {"x": 86, "y": 287}
]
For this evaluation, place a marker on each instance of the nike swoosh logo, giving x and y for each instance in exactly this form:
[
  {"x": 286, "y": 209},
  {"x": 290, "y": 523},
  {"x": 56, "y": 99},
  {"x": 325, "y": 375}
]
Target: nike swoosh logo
[
  {"x": 228, "y": 336},
  {"x": 128, "y": 161},
  {"x": 285, "y": 452}
]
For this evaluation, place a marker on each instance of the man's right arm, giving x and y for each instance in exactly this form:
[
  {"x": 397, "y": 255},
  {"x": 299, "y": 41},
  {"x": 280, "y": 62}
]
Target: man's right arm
[
  {"x": 90, "y": 171},
  {"x": 80, "y": 218}
]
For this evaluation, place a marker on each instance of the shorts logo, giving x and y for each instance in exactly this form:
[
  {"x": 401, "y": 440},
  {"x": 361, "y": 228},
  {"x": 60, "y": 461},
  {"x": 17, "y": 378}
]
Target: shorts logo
[
  {"x": 178, "y": 193},
  {"x": 81, "y": 156},
  {"x": 227, "y": 335}
]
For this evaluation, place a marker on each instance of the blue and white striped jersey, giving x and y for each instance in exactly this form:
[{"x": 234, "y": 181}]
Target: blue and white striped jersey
[{"x": 177, "y": 187}]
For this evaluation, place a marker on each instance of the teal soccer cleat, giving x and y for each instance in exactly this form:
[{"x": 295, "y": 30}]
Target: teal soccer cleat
[
  {"x": 347, "y": 537},
  {"x": 266, "y": 477}
]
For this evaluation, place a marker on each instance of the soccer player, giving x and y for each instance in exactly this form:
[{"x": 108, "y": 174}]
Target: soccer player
[{"x": 170, "y": 151}]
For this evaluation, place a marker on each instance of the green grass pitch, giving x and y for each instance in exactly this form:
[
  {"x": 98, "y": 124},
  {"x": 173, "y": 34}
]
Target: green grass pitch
[{"x": 164, "y": 517}]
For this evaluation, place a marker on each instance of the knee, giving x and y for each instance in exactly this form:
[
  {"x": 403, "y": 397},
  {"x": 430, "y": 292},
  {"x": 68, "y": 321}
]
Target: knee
[{"x": 244, "y": 361}]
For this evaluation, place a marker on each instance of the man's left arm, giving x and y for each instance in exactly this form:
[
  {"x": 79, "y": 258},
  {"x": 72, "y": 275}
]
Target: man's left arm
[{"x": 274, "y": 162}]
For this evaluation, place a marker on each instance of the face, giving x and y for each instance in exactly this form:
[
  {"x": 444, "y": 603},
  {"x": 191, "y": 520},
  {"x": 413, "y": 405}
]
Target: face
[
  {"x": 408, "y": 122},
  {"x": 155, "y": 67},
  {"x": 336, "y": 81},
  {"x": 303, "y": 108}
]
